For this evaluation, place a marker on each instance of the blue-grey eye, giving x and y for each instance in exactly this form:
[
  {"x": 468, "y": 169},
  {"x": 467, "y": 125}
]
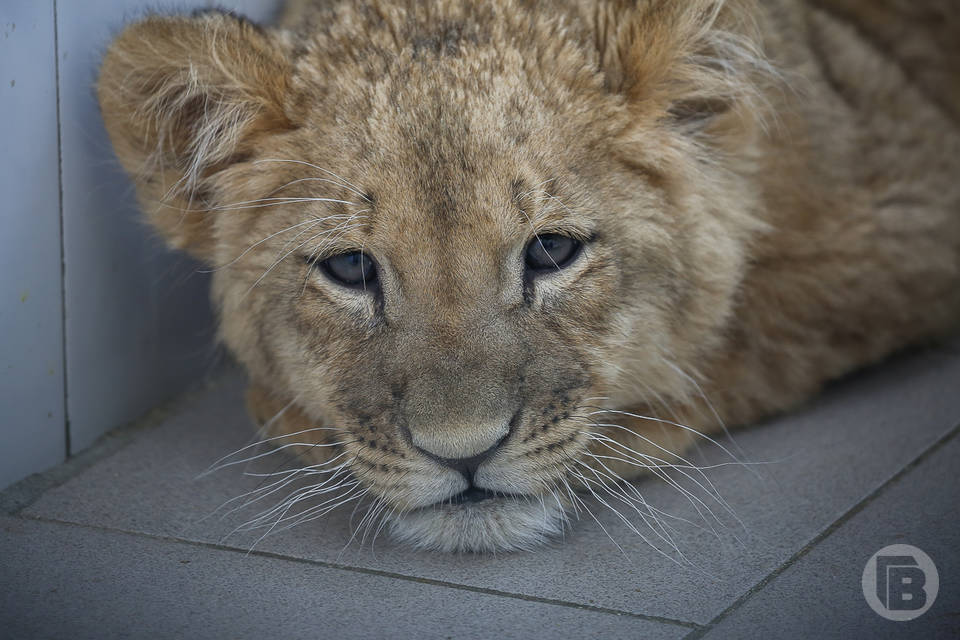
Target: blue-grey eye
[
  {"x": 354, "y": 269},
  {"x": 551, "y": 251}
]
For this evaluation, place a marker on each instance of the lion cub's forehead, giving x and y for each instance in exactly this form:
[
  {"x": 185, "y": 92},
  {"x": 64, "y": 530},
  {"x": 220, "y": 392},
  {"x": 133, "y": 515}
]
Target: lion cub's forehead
[
  {"x": 456, "y": 73},
  {"x": 440, "y": 218},
  {"x": 436, "y": 174}
]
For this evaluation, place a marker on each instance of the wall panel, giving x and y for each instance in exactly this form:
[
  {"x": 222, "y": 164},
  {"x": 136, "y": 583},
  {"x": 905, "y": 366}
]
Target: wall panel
[{"x": 32, "y": 435}]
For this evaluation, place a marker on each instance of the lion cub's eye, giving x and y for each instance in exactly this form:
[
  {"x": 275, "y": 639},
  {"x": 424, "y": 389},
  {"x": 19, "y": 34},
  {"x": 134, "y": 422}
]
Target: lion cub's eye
[
  {"x": 551, "y": 251},
  {"x": 354, "y": 269}
]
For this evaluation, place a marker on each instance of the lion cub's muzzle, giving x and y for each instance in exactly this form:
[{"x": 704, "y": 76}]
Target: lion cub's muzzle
[{"x": 467, "y": 467}]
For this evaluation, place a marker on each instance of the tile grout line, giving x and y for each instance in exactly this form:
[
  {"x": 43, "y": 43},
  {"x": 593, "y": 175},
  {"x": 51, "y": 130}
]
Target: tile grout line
[
  {"x": 367, "y": 571},
  {"x": 63, "y": 255},
  {"x": 938, "y": 444}
]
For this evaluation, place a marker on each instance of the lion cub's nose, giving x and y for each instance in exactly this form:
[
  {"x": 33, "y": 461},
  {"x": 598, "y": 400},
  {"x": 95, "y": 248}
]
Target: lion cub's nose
[
  {"x": 454, "y": 446},
  {"x": 468, "y": 466}
]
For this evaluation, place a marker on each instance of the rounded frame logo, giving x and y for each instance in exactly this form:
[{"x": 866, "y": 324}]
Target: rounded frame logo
[{"x": 900, "y": 582}]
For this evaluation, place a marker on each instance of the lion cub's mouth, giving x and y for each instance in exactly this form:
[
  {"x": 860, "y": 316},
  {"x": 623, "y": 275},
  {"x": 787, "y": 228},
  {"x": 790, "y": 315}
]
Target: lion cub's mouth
[
  {"x": 474, "y": 495},
  {"x": 479, "y": 520}
]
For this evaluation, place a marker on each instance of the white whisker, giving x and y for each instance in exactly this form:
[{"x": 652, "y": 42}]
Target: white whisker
[
  {"x": 694, "y": 499},
  {"x": 311, "y": 222},
  {"x": 345, "y": 183},
  {"x": 574, "y": 497},
  {"x": 275, "y": 450},
  {"x": 671, "y": 423}
]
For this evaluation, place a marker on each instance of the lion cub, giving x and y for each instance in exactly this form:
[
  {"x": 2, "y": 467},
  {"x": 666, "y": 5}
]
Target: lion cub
[{"x": 482, "y": 254}]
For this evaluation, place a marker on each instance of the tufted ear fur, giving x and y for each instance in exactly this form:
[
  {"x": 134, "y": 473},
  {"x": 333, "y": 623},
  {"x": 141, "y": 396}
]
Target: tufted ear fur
[
  {"x": 684, "y": 61},
  {"x": 183, "y": 98}
]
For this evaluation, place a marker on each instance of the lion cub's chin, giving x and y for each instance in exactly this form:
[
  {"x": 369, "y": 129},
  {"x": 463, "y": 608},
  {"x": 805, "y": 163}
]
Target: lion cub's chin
[{"x": 507, "y": 523}]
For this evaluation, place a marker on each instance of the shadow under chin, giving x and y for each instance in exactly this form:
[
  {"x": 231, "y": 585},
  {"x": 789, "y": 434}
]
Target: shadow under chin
[{"x": 500, "y": 524}]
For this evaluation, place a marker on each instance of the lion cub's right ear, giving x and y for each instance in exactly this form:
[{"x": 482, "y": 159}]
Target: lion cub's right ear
[{"x": 183, "y": 98}]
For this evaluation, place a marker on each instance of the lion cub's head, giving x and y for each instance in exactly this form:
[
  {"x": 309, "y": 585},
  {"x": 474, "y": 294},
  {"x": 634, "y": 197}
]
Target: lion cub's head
[{"x": 441, "y": 232}]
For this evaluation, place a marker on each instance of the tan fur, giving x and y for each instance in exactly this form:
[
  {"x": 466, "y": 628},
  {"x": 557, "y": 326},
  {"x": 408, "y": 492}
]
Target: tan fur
[{"x": 771, "y": 201}]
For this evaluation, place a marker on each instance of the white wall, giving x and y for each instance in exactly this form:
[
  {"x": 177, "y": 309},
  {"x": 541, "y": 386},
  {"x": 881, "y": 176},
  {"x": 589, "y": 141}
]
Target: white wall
[
  {"x": 127, "y": 324},
  {"x": 31, "y": 316}
]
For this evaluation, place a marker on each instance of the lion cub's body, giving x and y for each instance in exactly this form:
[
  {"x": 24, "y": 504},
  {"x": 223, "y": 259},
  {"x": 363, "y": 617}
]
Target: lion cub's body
[{"x": 765, "y": 200}]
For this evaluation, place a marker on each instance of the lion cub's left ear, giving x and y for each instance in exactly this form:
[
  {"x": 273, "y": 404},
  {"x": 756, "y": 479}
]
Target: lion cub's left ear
[
  {"x": 183, "y": 98},
  {"x": 684, "y": 62}
]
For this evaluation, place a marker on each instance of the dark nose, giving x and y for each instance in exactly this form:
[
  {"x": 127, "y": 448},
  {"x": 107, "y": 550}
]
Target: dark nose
[{"x": 467, "y": 466}]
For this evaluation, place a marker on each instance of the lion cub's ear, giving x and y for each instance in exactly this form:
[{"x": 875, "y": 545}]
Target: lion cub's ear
[
  {"x": 183, "y": 98},
  {"x": 682, "y": 61}
]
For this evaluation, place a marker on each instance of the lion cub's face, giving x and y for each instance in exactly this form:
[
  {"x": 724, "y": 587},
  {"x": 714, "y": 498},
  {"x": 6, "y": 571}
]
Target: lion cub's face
[{"x": 438, "y": 252}]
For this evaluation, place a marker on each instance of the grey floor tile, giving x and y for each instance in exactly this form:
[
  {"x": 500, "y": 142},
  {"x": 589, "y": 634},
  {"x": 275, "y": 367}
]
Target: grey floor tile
[
  {"x": 65, "y": 581},
  {"x": 820, "y": 596},
  {"x": 822, "y": 461}
]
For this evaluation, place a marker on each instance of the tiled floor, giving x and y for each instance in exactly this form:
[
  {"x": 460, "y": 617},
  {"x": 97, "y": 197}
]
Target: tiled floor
[{"x": 124, "y": 542}]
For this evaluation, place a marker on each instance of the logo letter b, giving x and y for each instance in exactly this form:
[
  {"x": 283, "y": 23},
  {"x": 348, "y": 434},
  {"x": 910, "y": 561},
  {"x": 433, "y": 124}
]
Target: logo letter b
[{"x": 906, "y": 589}]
